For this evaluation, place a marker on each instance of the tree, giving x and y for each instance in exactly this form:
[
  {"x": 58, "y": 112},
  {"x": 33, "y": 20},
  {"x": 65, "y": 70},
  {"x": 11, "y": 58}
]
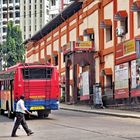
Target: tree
[{"x": 13, "y": 49}]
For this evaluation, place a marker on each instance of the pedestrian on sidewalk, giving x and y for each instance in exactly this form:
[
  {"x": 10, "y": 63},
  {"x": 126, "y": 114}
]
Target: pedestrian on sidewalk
[{"x": 20, "y": 118}]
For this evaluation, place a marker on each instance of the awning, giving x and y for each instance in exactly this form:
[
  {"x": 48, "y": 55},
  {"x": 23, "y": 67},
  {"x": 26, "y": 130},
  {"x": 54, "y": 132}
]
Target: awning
[
  {"x": 135, "y": 7},
  {"x": 107, "y": 71},
  {"x": 88, "y": 31},
  {"x": 106, "y": 23},
  {"x": 121, "y": 15}
]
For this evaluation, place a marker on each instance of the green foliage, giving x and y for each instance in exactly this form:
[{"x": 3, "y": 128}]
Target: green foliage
[{"x": 13, "y": 50}]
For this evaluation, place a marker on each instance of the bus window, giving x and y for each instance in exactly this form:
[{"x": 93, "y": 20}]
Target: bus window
[{"x": 37, "y": 73}]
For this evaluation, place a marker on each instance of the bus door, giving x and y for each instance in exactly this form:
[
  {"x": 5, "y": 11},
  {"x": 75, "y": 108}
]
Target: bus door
[{"x": 11, "y": 95}]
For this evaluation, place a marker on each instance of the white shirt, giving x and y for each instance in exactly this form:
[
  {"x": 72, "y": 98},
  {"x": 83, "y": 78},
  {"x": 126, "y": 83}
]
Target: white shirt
[{"x": 20, "y": 107}]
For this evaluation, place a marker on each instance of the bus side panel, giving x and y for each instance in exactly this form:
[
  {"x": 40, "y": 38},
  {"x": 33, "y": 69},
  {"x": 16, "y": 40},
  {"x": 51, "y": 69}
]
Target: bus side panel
[{"x": 55, "y": 92}]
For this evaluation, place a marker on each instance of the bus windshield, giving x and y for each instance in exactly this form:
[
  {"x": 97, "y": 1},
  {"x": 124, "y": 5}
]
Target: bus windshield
[{"x": 37, "y": 73}]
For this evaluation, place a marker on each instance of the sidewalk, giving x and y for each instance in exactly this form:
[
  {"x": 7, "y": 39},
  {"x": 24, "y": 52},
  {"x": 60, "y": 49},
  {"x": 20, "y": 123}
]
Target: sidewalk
[{"x": 111, "y": 112}]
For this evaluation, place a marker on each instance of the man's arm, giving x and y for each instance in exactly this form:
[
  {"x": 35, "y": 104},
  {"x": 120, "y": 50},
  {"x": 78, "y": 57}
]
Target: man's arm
[
  {"x": 25, "y": 109},
  {"x": 28, "y": 112}
]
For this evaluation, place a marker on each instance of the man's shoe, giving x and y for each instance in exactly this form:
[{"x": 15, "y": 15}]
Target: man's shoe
[
  {"x": 30, "y": 133},
  {"x": 14, "y": 136}
]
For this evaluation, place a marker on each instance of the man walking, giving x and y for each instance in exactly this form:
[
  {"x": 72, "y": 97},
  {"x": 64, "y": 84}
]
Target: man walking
[{"x": 20, "y": 111}]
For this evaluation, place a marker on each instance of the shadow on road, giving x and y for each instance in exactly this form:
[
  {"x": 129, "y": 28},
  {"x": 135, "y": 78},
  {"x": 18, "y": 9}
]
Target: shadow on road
[
  {"x": 4, "y": 119},
  {"x": 36, "y": 118},
  {"x": 4, "y": 137}
]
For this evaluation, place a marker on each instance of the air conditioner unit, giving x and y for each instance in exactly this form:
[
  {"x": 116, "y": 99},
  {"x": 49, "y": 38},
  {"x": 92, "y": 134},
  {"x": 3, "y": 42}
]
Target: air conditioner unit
[{"x": 120, "y": 31}]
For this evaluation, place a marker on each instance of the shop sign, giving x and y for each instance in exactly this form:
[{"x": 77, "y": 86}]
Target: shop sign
[
  {"x": 135, "y": 78},
  {"x": 84, "y": 85},
  {"x": 134, "y": 75},
  {"x": 121, "y": 81},
  {"x": 83, "y": 45},
  {"x": 119, "y": 51},
  {"x": 77, "y": 46},
  {"x": 129, "y": 47}
]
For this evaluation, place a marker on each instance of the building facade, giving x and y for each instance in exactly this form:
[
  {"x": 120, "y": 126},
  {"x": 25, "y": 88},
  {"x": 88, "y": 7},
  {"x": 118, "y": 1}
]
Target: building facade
[
  {"x": 56, "y": 6},
  {"x": 31, "y": 15},
  {"x": 9, "y": 11},
  {"x": 34, "y": 14},
  {"x": 112, "y": 29}
]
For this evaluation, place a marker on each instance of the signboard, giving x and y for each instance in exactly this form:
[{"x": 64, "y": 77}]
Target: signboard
[
  {"x": 77, "y": 46},
  {"x": 84, "y": 86},
  {"x": 124, "y": 49},
  {"x": 85, "y": 77},
  {"x": 119, "y": 51},
  {"x": 135, "y": 72},
  {"x": 83, "y": 45},
  {"x": 129, "y": 47},
  {"x": 135, "y": 78},
  {"x": 121, "y": 81}
]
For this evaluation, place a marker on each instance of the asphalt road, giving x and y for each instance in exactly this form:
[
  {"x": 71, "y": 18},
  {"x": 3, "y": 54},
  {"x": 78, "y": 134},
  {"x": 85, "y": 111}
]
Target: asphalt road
[{"x": 69, "y": 125}]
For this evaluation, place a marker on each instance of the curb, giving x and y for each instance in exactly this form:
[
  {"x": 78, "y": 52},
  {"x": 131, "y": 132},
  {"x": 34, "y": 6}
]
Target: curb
[{"x": 101, "y": 112}]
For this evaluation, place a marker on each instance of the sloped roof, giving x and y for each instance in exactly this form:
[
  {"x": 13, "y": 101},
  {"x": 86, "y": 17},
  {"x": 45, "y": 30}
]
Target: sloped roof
[{"x": 59, "y": 19}]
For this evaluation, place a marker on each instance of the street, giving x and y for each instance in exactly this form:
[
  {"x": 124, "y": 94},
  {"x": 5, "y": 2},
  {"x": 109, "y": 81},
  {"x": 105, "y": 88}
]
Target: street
[{"x": 70, "y": 125}]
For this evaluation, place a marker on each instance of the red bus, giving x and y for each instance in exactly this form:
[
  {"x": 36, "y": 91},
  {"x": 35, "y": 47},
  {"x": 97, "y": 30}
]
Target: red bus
[{"x": 39, "y": 83}]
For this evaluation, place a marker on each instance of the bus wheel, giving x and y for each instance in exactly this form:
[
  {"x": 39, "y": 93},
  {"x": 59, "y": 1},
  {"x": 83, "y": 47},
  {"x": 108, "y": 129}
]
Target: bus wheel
[
  {"x": 46, "y": 113},
  {"x": 40, "y": 114},
  {"x": 43, "y": 113}
]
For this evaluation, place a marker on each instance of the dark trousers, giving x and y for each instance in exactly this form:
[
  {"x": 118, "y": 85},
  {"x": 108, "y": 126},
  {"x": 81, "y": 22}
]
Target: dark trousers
[{"x": 20, "y": 120}]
